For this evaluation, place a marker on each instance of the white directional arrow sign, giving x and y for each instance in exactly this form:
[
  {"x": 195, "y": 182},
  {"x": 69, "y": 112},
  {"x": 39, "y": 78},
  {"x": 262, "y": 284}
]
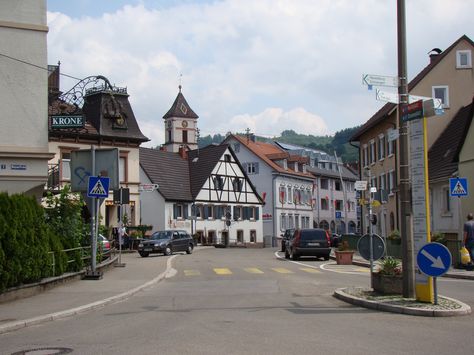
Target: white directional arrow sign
[
  {"x": 379, "y": 80},
  {"x": 436, "y": 262}
]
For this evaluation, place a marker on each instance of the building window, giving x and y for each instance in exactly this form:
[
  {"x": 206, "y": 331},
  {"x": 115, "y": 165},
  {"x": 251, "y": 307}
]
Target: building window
[
  {"x": 123, "y": 169},
  {"x": 66, "y": 165},
  {"x": 208, "y": 212},
  {"x": 463, "y": 59},
  {"x": 391, "y": 181},
  {"x": 372, "y": 152},
  {"x": 185, "y": 136},
  {"x": 390, "y": 147},
  {"x": 337, "y": 185},
  {"x": 373, "y": 182},
  {"x": 198, "y": 211},
  {"x": 381, "y": 147},
  {"x": 324, "y": 204},
  {"x": 382, "y": 182},
  {"x": 237, "y": 184},
  {"x": 252, "y": 168},
  {"x": 442, "y": 92},
  {"x": 365, "y": 155},
  {"x": 282, "y": 194},
  {"x": 227, "y": 158},
  {"x": 218, "y": 182},
  {"x": 169, "y": 136},
  {"x": 338, "y": 205},
  {"x": 446, "y": 200},
  {"x": 297, "y": 220},
  {"x": 238, "y": 213},
  {"x": 324, "y": 184},
  {"x": 290, "y": 194},
  {"x": 240, "y": 236},
  {"x": 290, "y": 221},
  {"x": 283, "y": 221},
  {"x": 236, "y": 147},
  {"x": 253, "y": 236},
  {"x": 178, "y": 211}
]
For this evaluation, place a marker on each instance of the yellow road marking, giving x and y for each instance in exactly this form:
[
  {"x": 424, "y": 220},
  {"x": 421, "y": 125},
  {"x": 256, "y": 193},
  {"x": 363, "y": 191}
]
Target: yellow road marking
[
  {"x": 363, "y": 269},
  {"x": 191, "y": 273},
  {"x": 253, "y": 270},
  {"x": 310, "y": 270},
  {"x": 282, "y": 270},
  {"x": 222, "y": 271}
]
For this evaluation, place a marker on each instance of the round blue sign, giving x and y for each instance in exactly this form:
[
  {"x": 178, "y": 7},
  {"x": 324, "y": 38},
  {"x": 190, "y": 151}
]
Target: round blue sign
[{"x": 434, "y": 259}]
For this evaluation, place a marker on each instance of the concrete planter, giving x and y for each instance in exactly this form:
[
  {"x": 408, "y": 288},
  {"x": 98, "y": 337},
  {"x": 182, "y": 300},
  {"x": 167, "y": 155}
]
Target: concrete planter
[
  {"x": 387, "y": 284},
  {"x": 344, "y": 257}
]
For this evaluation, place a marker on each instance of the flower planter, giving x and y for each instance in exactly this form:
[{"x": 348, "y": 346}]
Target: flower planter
[
  {"x": 387, "y": 284},
  {"x": 344, "y": 257}
]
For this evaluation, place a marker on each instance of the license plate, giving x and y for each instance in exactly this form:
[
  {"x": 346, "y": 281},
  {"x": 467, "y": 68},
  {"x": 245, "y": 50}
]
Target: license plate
[
  {"x": 313, "y": 244},
  {"x": 147, "y": 249}
]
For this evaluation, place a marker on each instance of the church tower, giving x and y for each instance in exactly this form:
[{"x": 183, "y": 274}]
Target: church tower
[{"x": 180, "y": 125}]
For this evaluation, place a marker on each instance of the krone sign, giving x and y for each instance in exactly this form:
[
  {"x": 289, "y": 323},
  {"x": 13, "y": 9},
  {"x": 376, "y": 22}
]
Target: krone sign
[{"x": 67, "y": 121}]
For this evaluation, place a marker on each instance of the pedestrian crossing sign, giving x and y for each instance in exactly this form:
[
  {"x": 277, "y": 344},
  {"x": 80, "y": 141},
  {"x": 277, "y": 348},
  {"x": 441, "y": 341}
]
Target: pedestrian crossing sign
[
  {"x": 98, "y": 186},
  {"x": 458, "y": 187}
]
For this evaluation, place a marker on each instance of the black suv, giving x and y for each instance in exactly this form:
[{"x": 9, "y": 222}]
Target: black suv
[
  {"x": 285, "y": 237},
  {"x": 308, "y": 242},
  {"x": 166, "y": 242}
]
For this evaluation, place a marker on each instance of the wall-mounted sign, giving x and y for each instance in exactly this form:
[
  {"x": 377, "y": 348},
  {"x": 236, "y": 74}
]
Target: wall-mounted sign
[{"x": 67, "y": 121}]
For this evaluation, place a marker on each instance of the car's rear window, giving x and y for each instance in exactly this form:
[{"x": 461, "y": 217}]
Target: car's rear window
[{"x": 313, "y": 234}]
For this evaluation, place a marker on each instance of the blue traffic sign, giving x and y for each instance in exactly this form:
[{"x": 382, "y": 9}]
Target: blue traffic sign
[
  {"x": 338, "y": 214},
  {"x": 458, "y": 187},
  {"x": 98, "y": 186},
  {"x": 434, "y": 259}
]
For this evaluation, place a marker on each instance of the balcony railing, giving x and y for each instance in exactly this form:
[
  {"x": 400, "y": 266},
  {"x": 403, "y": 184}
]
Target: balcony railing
[{"x": 53, "y": 184}]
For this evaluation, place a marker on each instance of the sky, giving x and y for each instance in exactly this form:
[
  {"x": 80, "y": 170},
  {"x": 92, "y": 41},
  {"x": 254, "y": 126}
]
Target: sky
[{"x": 266, "y": 65}]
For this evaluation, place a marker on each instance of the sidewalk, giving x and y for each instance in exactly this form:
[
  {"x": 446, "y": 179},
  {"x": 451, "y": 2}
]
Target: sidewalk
[{"x": 118, "y": 283}]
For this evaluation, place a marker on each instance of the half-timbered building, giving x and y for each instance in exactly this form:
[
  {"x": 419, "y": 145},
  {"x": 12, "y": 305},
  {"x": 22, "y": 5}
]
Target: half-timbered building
[{"x": 203, "y": 191}]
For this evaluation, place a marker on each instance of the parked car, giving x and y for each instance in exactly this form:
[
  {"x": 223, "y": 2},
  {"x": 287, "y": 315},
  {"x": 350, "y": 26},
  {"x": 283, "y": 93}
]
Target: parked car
[
  {"x": 166, "y": 242},
  {"x": 285, "y": 236},
  {"x": 104, "y": 244},
  {"x": 308, "y": 242}
]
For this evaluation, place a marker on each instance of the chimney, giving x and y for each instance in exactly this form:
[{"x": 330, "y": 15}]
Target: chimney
[
  {"x": 163, "y": 148},
  {"x": 252, "y": 137},
  {"x": 434, "y": 53},
  {"x": 183, "y": 153}
]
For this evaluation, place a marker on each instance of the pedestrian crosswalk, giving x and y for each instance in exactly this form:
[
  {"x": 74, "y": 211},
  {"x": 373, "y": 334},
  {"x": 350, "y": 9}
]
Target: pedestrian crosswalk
[{"x": 223, "y": 271}]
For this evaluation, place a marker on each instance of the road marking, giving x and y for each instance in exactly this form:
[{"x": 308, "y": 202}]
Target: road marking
[
  {"x": 363, "y": 269},
  {"x": 310, "y": 270},
  {"x": 253, "y": 270},
  {"x": 222, "y": 271},
  {"x": 192, "y": 272},
  {"x": 282, "y": 270}
]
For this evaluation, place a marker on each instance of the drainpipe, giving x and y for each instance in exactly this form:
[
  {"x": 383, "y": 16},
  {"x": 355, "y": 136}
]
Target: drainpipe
[{"x": 275, "y": 220}]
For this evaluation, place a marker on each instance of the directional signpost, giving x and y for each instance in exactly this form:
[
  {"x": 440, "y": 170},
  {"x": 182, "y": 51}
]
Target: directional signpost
[
  {"x": 434, "y": 259},
  {"x": 379, "y": 80}
]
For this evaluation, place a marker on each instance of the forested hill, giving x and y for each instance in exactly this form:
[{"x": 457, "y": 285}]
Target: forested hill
[{"x": 339, "y": 142}]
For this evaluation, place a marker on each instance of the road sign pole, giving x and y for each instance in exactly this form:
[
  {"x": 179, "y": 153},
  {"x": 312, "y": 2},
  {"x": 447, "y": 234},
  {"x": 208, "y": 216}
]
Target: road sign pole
[
  {"x": 435, "y": 287},
  {"x": 93, "y": 219}
]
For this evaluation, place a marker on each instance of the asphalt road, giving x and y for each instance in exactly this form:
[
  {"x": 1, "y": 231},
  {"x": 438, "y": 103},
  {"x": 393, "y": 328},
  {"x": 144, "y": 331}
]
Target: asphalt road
[{"x": 247, "y": 301}]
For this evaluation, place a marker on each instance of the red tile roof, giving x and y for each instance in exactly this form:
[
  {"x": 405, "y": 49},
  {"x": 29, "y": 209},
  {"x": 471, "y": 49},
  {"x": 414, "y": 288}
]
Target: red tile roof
[{"x": 269, "y": 152}]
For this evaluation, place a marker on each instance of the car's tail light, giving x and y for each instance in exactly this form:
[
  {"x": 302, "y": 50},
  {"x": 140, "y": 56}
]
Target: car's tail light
[{"x": 328, "y": 239}]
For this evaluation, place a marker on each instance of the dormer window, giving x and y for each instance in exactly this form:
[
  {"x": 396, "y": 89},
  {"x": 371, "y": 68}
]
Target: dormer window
[{"x": 285, "y": 164}]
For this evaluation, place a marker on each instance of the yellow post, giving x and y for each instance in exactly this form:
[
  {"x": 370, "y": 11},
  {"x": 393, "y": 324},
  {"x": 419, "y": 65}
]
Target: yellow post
[{"x": 424, "y": 292}]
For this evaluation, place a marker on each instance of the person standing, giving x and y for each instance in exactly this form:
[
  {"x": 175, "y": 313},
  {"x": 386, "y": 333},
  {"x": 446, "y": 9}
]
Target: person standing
[{"x": 469, "y": 236}]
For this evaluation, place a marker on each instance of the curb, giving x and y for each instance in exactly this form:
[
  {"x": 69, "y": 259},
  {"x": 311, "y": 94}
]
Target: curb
[
  {"x": 11, "y": 326},
  {"x": 380, "y": 306}
]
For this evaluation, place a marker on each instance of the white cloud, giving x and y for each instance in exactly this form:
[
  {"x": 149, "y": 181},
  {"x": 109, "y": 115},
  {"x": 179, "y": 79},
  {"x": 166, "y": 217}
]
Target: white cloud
[
  {"x": 252, "y": 62},
  {"x": 272, "y": 121}
]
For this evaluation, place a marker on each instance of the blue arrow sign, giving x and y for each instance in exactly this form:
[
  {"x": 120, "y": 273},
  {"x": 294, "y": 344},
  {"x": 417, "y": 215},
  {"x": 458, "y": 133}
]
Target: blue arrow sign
[
  {"x": 98, "y": 186},
  {"x": 434, "y": 259},
  {"x": 458, "y": 187}
]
